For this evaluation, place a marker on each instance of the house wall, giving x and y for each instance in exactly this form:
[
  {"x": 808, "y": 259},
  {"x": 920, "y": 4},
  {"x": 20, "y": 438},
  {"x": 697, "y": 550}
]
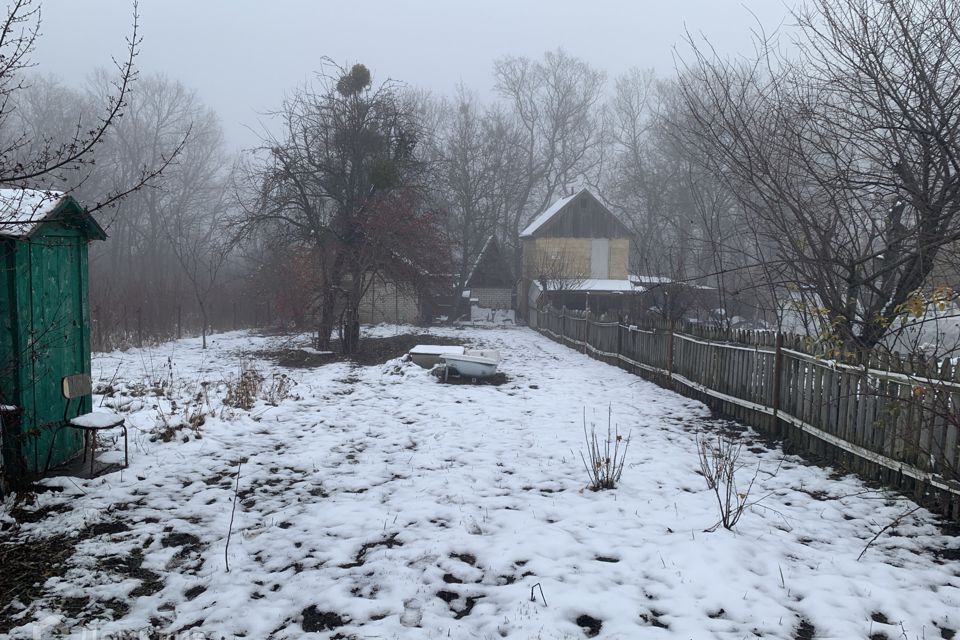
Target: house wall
[
  {"x": 576, "y": 253},
  {"x": 385, "y": 302},
  {"x": 493, "y": 298},
  {"x": 619, "y": 259}
]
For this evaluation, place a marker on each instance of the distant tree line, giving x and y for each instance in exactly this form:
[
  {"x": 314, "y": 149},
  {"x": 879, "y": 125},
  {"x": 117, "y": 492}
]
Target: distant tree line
[{"x": 815, "y": 186}]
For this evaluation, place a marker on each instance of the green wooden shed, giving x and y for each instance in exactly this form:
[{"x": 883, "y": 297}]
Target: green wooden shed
[{"x": 44, "y": 325}]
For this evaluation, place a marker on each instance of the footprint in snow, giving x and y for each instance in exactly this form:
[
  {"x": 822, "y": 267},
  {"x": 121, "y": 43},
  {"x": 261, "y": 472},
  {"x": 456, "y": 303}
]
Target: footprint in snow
[{"x": 412, "y": 613}]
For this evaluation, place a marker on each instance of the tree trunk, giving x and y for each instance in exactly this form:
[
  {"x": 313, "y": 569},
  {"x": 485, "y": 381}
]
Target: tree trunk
[
  {"x": 350, "y": 330},
  {"x": 325, "y": 319},
  {"x": 203, "y": 320}
]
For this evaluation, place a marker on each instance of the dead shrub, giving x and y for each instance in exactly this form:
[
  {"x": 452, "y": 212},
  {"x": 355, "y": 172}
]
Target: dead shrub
[
  {"x": 719, "y": 464},
  {"x": 279, "y": 389},
  {"x": 243, "y": 392},
  {"x": 604, "y": 461}
]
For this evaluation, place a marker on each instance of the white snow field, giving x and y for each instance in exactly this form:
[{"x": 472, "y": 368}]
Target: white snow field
[{"x": 377, "y": 502}]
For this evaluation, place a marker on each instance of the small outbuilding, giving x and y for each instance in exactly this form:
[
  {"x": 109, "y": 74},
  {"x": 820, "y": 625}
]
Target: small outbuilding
[
  {"x": 44, "y": 325},
  {"x": 491, "y": 281}
]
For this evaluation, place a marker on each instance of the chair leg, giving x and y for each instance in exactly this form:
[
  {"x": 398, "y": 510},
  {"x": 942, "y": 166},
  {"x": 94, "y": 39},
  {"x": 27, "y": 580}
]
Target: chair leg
[
  {"x": 93, "y": 450},
  {"x": 126, "y": 455}
]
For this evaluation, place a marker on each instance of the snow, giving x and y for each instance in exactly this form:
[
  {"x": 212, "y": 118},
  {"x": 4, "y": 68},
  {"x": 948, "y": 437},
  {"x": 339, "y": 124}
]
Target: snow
[
  {"x": 378, "y": 493},
  {"x": 548, "y": 213},
  {"x": 316, "y": 352},
  {"x": 22, "y": 209},
  {"x": 650, "y": 280},
  {"x": 600, "y": 285},
  {"x": 492, "y": 316},
  {"x": 434, "y": 349},
  {"x": 98, "y": 420}
]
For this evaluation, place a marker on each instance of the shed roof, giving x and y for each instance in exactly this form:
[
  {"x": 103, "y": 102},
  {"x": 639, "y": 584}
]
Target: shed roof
[
  {"x": 23, "y": 212},
  {"x": 490, "y": 268}
]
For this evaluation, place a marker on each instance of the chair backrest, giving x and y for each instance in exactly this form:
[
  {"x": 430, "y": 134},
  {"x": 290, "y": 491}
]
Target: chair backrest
[{"x": 76, "y": 385}]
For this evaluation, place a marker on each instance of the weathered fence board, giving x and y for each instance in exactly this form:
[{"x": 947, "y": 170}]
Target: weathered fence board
[{"x": 892, "y": 420}]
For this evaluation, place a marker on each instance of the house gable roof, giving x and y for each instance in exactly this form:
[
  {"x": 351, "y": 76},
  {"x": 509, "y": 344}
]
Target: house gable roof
[
  {"x": 577, "y": 215},
  {"x": 23, "y": 213},
  {"x": 546, "y": 215},
  {"x": 490, "y": 269}
]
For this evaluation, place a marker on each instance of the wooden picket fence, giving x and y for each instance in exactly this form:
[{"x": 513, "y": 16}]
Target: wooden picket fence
[{"x": 892, "y": 420}]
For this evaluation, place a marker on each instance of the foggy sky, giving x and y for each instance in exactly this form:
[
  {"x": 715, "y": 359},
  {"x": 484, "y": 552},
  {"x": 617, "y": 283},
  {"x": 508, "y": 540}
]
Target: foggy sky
[{"x": 241, "y": 56}]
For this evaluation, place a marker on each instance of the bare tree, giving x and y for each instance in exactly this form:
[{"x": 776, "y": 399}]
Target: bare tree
[
  {"x": 555, "y": 130},
  {"x": 684, "y": 219},
  {"x": 58, "y": 138},
  {"x": 472, "y": 174},
  {"x": 328, "y": 181},
  {"x": 143, "y": 265},
  {"x": 202, "y": 248},
  {"x": 60, "y": 157},
  {"x": 844, "y": 154},
  {"x": 196, "y": 217}
]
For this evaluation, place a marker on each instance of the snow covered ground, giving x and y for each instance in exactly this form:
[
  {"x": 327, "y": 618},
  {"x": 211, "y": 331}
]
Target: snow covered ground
[{"x": 375, "y": 502}]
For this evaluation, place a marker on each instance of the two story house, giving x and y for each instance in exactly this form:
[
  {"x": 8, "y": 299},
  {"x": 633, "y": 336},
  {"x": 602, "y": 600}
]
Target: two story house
[{"x": 575, "y": 253}]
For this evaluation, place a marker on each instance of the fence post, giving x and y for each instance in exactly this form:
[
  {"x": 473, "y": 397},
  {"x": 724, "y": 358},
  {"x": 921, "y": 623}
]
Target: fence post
[
  {"x": 563, "y": 324},
  {"x": 586, "y": 330},
  {"x": 777, "y": 368},
  {"x": 670, "y": 350},
  {"x": 619, "y": 339}
]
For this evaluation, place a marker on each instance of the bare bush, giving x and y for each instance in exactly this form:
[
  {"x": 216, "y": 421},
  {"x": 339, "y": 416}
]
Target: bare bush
[
  {"x": 243, "y": 392},
  {"x": 719, "y": 465},
  {"x": 605, "y": 464},
  {"x": 278, "y": 389}
]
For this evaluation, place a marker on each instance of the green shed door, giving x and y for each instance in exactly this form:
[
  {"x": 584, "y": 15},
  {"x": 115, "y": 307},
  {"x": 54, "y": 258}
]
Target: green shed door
[{"x": 57, "y": 342}]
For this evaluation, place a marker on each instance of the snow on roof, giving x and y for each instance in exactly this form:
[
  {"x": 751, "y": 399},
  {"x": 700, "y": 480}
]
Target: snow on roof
[
  {"x": 21, "y": 210},
  {"x": 476, "y": 263},
  {"x": 598, "y": 285},
  {"x": 650, "y": 279},
  {"x": 548, "y": 213},
  {"x": 654, "y": 281}
]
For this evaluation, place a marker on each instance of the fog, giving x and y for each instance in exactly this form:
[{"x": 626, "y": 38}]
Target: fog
[
  {"x": 282, "y": 163},
  {"x": 242, "y": 56}
]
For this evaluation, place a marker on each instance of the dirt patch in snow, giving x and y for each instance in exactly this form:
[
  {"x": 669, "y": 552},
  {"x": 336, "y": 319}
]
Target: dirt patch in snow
[
  {"x": 297, "y": 358},
  {"x": 389, "y": 542},
  {"x": 805, "y": 631},
  {"x": 372, "y": 351},
  {"x": 590, "y": 625},
  {"x": 497, "y": 379},
  {"x": 26, "y": 567},
  {"x": 28, "y": 563},
  {"x": 379, "y": 350},
  {"x": 315, "y": 620}
]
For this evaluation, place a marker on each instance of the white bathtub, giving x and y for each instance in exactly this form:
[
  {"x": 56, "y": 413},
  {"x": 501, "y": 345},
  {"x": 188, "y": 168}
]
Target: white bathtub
[
  {"x": 473, "y": 363},
  {"x": 428, "y": 355}
]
